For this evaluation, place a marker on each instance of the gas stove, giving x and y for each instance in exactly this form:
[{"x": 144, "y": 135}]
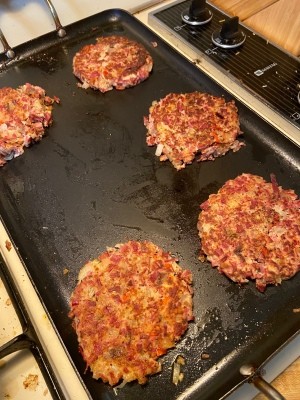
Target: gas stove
[{"x": 256, "y": 71}]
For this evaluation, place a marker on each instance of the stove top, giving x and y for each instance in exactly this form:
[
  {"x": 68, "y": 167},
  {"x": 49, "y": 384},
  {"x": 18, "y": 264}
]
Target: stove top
[{"x": 264, "y": 70}]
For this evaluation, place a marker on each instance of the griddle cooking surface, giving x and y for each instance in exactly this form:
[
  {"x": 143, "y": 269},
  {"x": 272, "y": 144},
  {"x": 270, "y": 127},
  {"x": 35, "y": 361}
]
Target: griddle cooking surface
[{"x": 92, "y": 182}]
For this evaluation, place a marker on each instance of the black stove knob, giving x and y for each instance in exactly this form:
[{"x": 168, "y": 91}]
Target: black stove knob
[
  {"x": 229, "y": 36},
  {"x": 197, "y": 14}
]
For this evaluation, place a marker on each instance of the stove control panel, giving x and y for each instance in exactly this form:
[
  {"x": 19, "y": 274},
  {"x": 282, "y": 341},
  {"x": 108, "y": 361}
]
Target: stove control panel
[{"x": 263, "y": 69}]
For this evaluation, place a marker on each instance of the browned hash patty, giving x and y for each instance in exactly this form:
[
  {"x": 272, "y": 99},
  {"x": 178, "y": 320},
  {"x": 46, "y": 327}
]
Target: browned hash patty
[
  {"x": 250, "y": 229},
  {"x": 184, "y": 125},
  {"x": 25, "y": 112},
  {"x": 130, "y": 306},
  {"x": 114, "y": 61}
]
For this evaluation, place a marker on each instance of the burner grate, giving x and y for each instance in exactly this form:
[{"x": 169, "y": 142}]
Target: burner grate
[
  {"x": 263, "y": 69},
  {"x": 27, "y": 339}
]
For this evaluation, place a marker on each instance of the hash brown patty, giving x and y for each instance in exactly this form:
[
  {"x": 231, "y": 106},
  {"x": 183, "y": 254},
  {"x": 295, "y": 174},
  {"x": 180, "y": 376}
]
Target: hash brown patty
[
  {"x": 25, "y": 112},
  {"x": 114, "y": 61},
  {"x": 250, "y": 230},
  {"x": 186, "y": 124},
  {"x": 130, "y": 306}
]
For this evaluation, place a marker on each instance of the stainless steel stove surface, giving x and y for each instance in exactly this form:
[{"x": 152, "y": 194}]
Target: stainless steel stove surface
[
  {"x": 21, "y": 354},
  {"x": 260, "y": 68}
]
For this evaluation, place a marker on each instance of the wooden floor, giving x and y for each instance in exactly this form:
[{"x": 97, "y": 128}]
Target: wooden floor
[{"x": 277, "y": 20}]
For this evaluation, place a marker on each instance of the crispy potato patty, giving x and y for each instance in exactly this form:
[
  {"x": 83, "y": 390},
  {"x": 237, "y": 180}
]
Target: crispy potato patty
[
  {"x": 114, "y": 61},
  {"x": 250, "y": 230},
  {"x": 25, "y": 112},
  {"x": 129, "y": 307},
  {"x": 184, "y": 125}
]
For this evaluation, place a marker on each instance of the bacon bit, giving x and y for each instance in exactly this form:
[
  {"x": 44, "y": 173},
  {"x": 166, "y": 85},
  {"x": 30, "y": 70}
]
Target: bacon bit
[
  {"x": 264, "y": 251},
  {"x": 215, "y": 136},
  {"x": 202, "y": 256},
  {"x": 154, "y": 44},
  {"x": 180, "y": 360},
  {"x": 31, "y": 382},
  {"x": 205, "y": 356},
  {"x": 296, "y": 310},
  {"x": 8, "y": 245},
  {"x": 274, "y": 184}
]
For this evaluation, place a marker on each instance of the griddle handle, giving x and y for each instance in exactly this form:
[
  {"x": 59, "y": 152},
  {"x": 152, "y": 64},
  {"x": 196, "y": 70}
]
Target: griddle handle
[
  {"x": 7, "y": 49},
  {"x": 263, "y": 386},
  {"x": 59, "y": 28},
  {"x": 268, "y": 390}
]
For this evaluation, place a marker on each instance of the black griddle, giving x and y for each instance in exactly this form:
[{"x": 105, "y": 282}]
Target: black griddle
[{"x": 93, "y": 182}]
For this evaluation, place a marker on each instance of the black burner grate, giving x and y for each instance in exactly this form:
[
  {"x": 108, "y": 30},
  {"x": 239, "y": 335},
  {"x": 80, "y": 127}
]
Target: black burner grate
[{"x": 265, "y": 70}]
